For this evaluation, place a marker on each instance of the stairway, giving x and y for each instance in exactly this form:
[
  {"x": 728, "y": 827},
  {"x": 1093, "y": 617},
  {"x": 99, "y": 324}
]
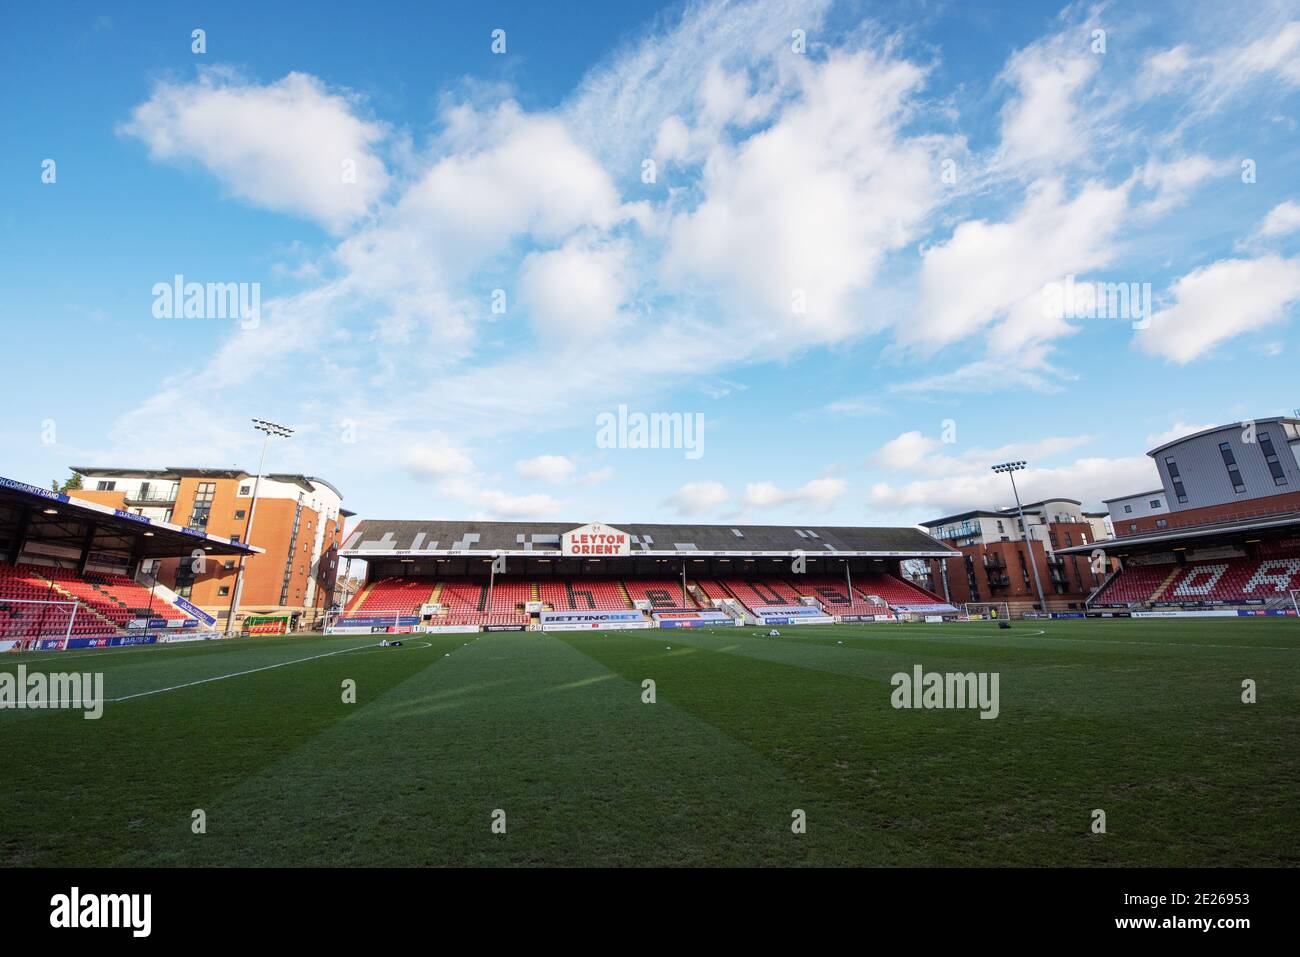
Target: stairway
[
  {"x": 83, "y": 608},
  {"x": 1155, "y": 595}
]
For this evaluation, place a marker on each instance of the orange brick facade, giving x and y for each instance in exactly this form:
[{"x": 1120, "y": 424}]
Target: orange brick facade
[
  {"x": 1209, "y": 515},
  {"x": 266, "y": 587},
  {"x": 1000, "y": 571}
]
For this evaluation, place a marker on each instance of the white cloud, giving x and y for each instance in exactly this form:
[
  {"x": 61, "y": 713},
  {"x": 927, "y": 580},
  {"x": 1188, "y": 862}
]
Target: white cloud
[
  {"x": 555, "y": 469},
  {"x": 1174, "y": 180},
  {"x": 996, "y": 272},
  {"x": 697, "y": 498},
  {"x": 797, "y": 218},
  {"x": 1090, "y": 480},
  {"x": 437, "y": 462},
  {"x": 282, "y": 146},
  {"x": 1176, "y": 431},
  {"x": 906, "y": 451},
  {"x": 1041, "y": 122},
  {"x": 820, "y": 493},
  {"x": 1217, "y": 302},
  {"x": 1282, "y": 220},
  {"x": 576, "y": 291}
]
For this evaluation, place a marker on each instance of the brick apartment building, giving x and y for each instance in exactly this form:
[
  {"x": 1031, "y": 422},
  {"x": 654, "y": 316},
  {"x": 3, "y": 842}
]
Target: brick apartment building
[
  {"x": 997, "y": 551},
  {"x": 299, "y": 523}
]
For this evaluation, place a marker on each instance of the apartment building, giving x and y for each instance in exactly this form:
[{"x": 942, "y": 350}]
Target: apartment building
[{"x": 299, "y": 522}]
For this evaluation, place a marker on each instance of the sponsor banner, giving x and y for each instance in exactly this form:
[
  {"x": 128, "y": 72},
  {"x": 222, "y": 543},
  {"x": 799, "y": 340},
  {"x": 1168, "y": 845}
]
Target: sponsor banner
[
  {"x": 194, "y": 610},
  {"x": 934, "y": 618},
  {"x": 590, "y": 619},
  {"x": 600, "y": 626},
  {"x": 1108, "y": 614},
  {"x": 448, "y": 629},
  {"x": 1215, "y": 613},
  {"x": 33, "y": 490},
  {"x": 797, "y": 620},
  {"x": 790, "y": 611},
  {"x": 1266, "y": 612},
  {"x": 503, "y": 627},
  {"x": 379, "y": 624},
  {"x": 10, "y": 646},
  {"x": 172, "y": 639},
  {"x": 724, "y": 622},
  {"x": 351, "y": 630},
  {"x": 110, "y": 641},
  {"x": 138, "y": 623},
  {"x": 49, "y": 644},
  {"x": 710, "y": 614},
  {"x": 595, "y": 540},
  {"x": 851, "y": 619},
  {"x": 121, "y": 513},
  {"x": 1068, "y": 614}
]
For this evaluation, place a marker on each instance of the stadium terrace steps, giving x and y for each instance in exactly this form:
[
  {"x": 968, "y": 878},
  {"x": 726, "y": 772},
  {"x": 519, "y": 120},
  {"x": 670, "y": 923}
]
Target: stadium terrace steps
[
  {"x": 834, "y": 596},
  {"x": 663, "y": 595},
  {"x": 1223, "y": 581},
  {"x": 1160, "y": 589},
  {"x": 106, "y": 602}
]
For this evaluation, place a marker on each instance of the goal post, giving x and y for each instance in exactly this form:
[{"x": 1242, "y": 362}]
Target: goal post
[
  {"x": 1294, "y": 606},
  {"x": 34, "y": 619},
  {"x": 987, "y": 610}
]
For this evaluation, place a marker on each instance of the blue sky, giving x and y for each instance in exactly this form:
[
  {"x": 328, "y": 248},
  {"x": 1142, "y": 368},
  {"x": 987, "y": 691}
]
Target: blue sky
[{"x": 840, "y": 261}]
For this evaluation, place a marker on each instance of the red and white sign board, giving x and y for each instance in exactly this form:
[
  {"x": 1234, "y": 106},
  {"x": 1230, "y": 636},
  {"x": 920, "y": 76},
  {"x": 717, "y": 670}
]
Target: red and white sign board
[{"x": 595, "y": 541}]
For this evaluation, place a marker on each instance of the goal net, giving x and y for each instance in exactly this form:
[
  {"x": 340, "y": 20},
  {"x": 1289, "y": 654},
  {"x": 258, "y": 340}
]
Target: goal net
[
  {"x": 28, "y": 620},
  {"x": 987, "y": 610}
]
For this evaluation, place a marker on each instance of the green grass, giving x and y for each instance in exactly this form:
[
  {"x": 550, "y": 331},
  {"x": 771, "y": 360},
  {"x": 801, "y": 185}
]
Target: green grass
[{"x": 1141, "y": 719}]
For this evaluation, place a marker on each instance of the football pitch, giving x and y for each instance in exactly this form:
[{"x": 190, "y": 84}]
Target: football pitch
[{"x": 550, "y": 735}]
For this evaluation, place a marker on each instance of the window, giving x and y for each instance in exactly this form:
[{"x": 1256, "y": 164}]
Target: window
[
  {"x": 1155, "y": 503},
  {"x": 1161, "y": 523},
  {"x": 1176, "y": 479},
  {"x": 105, "y": 486},
  {"x": 1128, "y": 508},
  {"x": 1270, "y": 457},
  {"x": 1230, "y": 463},
  {"x": 245, "y": 491},
  {"x": 1000, "y": 528},
  {"x": 202, "y": 504},
  {"x": 239, "y": 514},
  {"x": 228, "y": 564},
  {"x": 223, "y": 590}
]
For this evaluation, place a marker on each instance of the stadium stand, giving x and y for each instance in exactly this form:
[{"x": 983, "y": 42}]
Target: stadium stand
[
  {"x": 107, "y": 602},
  {"x": 392, "y": 596},
  {"x": 661, "y": 594},
  {"x": 585, "y": 595},
  {"x": 1225, "y": 581},
  {"x": 1136, "y": 584},
  {"x": 896, "y": 592},
  {"x": 835, "y": 597},
  {"x": 760, "y": 593}
]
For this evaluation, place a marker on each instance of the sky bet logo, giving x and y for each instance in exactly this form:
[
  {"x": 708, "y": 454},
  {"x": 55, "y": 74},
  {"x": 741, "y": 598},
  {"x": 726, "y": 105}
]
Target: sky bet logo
[{"x": 103, "y": 910}]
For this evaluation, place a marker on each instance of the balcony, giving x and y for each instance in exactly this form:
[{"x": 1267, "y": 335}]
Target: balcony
[{"x": 151, "y": 497}]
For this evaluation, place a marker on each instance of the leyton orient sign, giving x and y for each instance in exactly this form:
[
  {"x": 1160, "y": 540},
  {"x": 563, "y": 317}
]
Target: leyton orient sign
[{"x": 595, "y": 540}]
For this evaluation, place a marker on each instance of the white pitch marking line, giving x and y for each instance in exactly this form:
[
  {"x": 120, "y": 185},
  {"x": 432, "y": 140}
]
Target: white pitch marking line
[{"x": 240, "y": 674}]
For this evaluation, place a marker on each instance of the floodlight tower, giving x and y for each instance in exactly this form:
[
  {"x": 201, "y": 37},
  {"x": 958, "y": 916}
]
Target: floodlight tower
[
  {"x": 269, "y": 429},
  {"x": 1011, "y": 468}
]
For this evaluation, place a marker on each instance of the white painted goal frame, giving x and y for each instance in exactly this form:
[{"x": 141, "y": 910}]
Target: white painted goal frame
[
  {"x": 1295, "y": 607},
  {"x": 62, "y": 632},
  {"x": 982, "y": 608}
]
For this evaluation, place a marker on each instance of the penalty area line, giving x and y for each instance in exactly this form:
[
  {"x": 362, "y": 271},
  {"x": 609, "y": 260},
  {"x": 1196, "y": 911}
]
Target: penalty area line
[{"x": 240, "y": 674}]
